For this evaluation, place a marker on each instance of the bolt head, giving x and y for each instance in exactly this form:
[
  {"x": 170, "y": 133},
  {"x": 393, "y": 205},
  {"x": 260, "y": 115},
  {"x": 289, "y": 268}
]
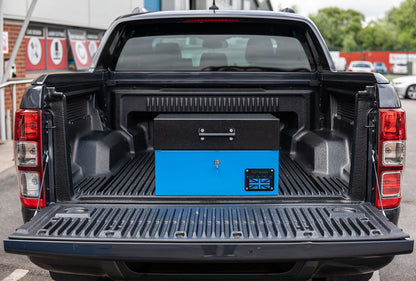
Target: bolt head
[{"x": 202, "y": 138}]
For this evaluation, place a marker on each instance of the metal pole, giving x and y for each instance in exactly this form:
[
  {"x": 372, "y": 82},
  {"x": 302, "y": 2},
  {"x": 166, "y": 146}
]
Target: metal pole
[
  {"x": 11, "y": 62},
  {"x": 8, "y": 127},
  {"x": 2, "y": 107},
  {"x": 19, "y": 40},
  {"x": 14, "y": 102},
  {"x": 1, "y": 40}
]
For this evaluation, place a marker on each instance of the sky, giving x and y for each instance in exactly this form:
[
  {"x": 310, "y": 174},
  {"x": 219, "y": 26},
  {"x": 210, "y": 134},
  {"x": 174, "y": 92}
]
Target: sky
[{"x": 372, "y": 9}]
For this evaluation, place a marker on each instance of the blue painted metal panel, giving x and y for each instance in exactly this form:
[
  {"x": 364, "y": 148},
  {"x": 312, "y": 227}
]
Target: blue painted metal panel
[
  {"x": 152, "y": 5},
  {"x": 189, "y": 173}
]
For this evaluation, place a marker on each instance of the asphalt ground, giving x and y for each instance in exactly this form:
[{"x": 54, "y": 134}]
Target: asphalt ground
[
  {"x": 404, "y": 267},
  {"x": 10, "y": 219},
  {"x": 17, "y": 267}
]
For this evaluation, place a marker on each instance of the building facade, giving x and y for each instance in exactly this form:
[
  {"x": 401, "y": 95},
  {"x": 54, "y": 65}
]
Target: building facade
[
  {"x": 64, "y": 35},
  {"x": 221, "y": 4}
]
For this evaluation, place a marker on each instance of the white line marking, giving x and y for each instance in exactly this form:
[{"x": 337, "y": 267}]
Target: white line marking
[
  {"x": 16, "y": 275},
  {"x": 376, "y": 276}
]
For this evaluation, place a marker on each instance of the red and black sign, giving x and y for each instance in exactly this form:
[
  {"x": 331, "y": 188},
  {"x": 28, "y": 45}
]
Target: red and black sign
[
  {"x": 93, "y": 41},
  {"x": 79, "y": 47},
  {"x": 35, "y": 48},
  {"x": 56, "y": 41}
]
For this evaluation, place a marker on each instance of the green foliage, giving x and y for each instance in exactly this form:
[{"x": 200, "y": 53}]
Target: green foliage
[
  {"x": 378, "y": 36},
  {"x": 345, "y": 30},
  {"x": 339, "y": 27},
  {"x": 403, "y": 19},
  {"x": 349, "y": 43}
]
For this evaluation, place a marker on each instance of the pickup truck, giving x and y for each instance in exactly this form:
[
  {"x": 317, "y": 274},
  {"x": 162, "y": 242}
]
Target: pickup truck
[{"x": 211, "y": 145}]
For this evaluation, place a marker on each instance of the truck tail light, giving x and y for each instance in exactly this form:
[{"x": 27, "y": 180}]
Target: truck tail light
[
  {"x": 393, "y": 153},
  {"x": 28, "y": 157},
  {"x": 392, "y": 150},
  {"x": 390, "y": 184},
  {"x": 392, "y": 124}
]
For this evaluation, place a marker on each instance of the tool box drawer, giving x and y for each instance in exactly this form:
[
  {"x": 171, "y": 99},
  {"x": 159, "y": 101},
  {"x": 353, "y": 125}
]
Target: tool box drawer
[
  {"x": 216, "y": 154},
  {"x": 216, "y": 132}
]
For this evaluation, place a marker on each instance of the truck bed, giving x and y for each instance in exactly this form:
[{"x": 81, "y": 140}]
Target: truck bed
[{"x": 137, "y": 179}]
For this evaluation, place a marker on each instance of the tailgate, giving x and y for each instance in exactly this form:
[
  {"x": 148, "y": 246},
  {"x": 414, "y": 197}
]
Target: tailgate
[{"x": 282, "y": 231}]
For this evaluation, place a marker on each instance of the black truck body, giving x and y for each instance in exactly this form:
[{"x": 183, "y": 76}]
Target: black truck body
[{"x": 102, "y": 216}]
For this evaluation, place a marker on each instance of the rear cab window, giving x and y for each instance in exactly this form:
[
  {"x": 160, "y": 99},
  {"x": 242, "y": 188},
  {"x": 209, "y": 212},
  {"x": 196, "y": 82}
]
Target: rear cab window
[{"x": 214, "y": 46}]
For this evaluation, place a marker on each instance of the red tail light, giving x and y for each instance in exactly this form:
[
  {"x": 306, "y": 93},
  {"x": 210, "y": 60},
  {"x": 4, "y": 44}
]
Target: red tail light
[
  {"x": 28, "y": 157},
  {"x": 392, "y": 149},
  {"x": 27, "y": 123},
  {"x": 390, "y": 182},
  {"x": 393, "y": 124}
]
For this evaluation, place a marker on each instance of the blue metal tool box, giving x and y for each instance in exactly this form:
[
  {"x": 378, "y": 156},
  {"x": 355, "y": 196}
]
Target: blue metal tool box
[{"x": 216, "y": 154}]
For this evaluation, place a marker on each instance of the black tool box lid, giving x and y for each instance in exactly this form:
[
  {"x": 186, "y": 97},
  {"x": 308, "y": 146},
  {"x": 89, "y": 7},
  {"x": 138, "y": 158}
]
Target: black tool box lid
[{"x": 216, "y": 132}]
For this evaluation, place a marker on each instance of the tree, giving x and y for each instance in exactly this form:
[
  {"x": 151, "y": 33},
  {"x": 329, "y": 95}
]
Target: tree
[
  {"x": 339, "y": 27},
  {"x": 343, "y": 29},
  {"x": 378, "y": 35},
  {"x": 402, "y": 18},
  {"x": 349, "y": 43}
]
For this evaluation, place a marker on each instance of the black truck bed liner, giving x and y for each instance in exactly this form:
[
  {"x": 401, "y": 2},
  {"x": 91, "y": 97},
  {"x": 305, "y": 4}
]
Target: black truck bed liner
[
  {"x": 210, "y": 223},
  {"x": 137, "y": 179}
]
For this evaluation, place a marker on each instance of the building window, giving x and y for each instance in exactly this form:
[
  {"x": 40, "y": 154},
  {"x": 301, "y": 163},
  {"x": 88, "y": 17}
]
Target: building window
[
  {"x": 192, "y": 4},
  {"x": 152, "y": 5}
]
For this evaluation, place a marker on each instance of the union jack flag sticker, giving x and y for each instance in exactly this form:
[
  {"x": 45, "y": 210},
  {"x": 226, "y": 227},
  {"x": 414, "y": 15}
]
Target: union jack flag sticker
[
  {"x": 259, "y": 183},
  {"x": 259, "y": 180}
]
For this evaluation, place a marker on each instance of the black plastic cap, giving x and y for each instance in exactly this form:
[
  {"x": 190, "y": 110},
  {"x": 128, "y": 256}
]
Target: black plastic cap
[{"x": 288, "y": 10}]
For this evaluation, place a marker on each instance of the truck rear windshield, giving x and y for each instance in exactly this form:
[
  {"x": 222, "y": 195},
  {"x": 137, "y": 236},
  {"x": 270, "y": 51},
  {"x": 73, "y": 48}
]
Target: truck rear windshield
[{"x": 214, "y": 47}]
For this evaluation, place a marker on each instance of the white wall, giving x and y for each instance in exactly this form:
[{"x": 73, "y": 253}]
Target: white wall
[
  {"x": 98, "y": 13},
  {"x": 225, "y": 4},
  {"x": 86, "y": 13},
  {"x": 170, "y": 5},
  {"x": 205, "y": 4}
]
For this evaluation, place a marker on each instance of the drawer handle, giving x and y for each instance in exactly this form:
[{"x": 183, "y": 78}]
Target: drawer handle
[{"x": 202, "y": 133}]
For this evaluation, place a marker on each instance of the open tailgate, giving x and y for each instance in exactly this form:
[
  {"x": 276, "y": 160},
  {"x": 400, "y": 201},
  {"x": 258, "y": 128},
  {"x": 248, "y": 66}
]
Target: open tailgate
[{"x": 279, "y": 231}]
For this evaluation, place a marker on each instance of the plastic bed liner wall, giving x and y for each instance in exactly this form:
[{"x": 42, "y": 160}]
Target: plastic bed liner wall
[{"x": 137, "y": 179}]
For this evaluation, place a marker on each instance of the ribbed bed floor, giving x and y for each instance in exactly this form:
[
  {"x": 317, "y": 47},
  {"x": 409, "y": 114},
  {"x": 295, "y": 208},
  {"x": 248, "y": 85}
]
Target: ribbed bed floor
[{"x": 137, "y": 179}]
